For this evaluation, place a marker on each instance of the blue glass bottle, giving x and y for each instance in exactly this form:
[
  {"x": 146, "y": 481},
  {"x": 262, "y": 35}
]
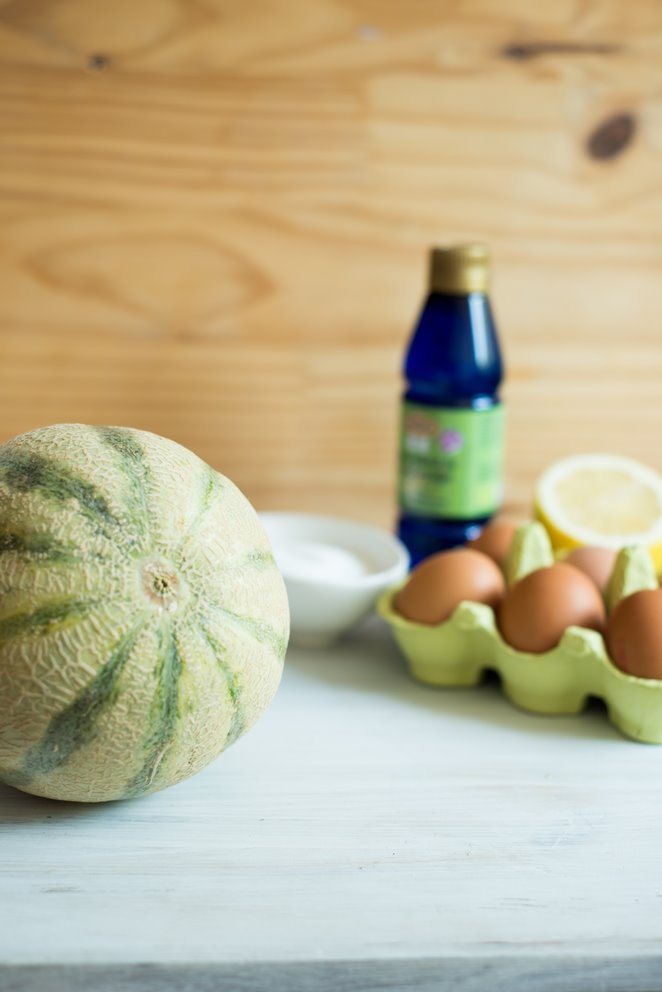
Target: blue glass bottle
[{"x": 451, "y": 449}]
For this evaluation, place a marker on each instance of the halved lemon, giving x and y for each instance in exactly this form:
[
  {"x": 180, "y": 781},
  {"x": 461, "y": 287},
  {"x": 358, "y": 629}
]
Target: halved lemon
[{"x": 604, "y": 500}]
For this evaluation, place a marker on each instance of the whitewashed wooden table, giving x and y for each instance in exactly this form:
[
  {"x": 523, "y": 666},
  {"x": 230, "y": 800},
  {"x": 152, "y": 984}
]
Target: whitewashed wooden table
[{"x": 369, "y": 833}]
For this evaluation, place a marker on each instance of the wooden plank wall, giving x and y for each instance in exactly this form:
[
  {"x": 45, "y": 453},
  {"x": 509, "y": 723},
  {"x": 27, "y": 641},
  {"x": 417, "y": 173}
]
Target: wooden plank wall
[{"x": 215, "y": 215}]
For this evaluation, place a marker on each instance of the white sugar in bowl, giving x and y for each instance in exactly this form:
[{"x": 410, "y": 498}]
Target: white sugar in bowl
[{"x": 334, "y": 570}]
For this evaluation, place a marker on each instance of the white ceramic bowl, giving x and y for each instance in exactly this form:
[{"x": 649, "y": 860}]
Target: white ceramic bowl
[{"x": 334, "y": 570}]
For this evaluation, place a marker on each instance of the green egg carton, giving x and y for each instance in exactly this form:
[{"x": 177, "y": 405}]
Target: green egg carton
[{"x": 458, "y": 651}]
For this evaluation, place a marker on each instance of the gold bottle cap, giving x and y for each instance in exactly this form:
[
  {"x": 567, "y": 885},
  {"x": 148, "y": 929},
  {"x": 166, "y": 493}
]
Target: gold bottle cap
[{"x": 460, "y": 269}]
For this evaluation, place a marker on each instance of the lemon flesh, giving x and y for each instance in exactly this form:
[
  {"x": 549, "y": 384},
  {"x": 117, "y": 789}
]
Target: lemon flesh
[{"x": 603, "y": 500}]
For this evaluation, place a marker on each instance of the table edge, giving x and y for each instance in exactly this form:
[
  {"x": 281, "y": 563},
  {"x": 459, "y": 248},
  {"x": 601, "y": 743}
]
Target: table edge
[{"x": 551, "y": 972}]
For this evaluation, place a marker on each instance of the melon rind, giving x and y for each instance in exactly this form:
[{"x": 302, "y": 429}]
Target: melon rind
[{"x": 143, "y": 620}]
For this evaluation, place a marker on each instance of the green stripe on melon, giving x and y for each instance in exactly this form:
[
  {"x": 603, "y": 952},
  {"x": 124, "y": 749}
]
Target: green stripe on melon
[{"x": 143, "y": 621}]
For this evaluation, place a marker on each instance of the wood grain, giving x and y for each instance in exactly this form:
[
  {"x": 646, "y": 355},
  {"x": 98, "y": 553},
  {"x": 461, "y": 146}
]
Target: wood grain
[{"x": 215, "y": 216}]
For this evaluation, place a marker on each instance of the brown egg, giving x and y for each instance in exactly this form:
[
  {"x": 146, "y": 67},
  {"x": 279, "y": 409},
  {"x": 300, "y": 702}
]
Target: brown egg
[
  {"x": 441, "y": 582},
  {"x": 494, "y": 540},
  {"x": 534, "y": 614},
  {"x": 597, "y": 563},
  {"x": 634, "y": 634}
]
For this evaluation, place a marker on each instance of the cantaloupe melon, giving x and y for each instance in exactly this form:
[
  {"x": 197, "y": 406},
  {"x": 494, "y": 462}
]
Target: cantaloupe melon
[{"x": 143, "y": 621}]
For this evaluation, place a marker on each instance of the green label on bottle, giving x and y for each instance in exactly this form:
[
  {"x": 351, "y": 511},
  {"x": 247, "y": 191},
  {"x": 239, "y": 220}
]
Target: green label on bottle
[{"x": 451, "y": 461}]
